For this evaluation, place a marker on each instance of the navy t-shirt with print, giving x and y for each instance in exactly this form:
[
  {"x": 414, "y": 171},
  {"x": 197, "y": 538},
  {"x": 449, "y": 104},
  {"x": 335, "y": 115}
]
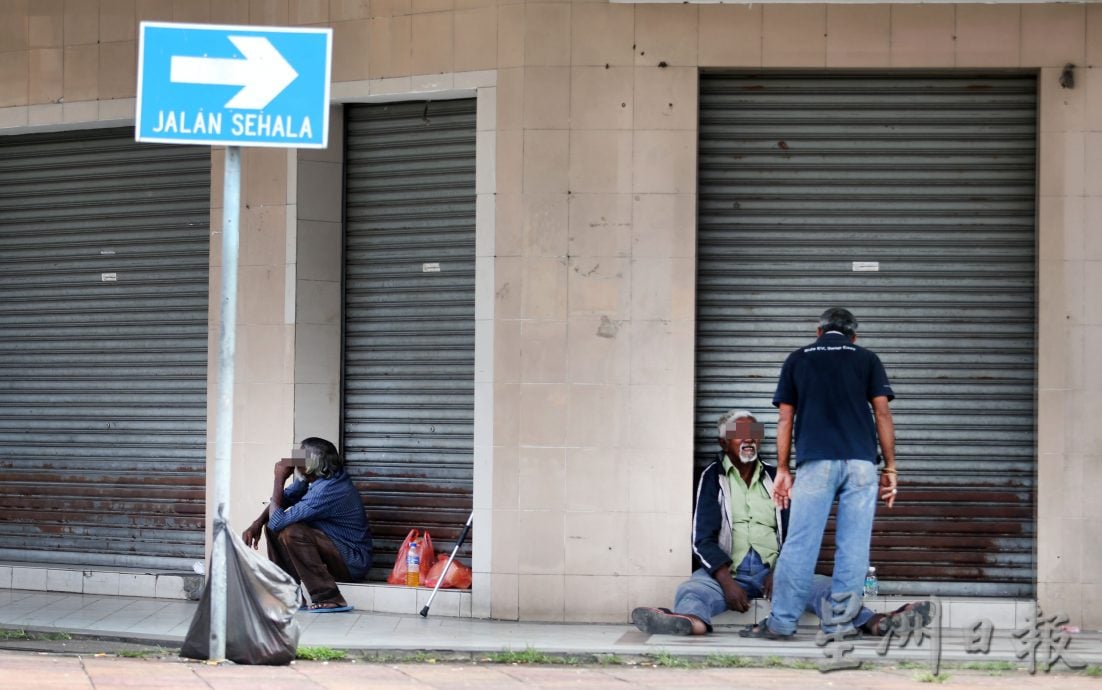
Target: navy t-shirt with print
[{"x": 831, "y": 383}]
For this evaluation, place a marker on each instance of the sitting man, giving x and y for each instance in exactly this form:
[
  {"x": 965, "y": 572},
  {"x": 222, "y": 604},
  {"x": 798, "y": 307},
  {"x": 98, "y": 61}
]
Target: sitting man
[
  {"x": 737, "y": 535},
  {"x": 316, "y": 528}
]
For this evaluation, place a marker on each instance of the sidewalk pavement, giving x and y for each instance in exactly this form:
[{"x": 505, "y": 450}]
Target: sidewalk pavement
[{"x": 165, "y": 622}]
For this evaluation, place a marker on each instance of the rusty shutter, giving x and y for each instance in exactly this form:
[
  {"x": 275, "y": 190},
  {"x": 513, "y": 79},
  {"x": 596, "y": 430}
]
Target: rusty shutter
[
  {"x": 409, "y": 317},
  {"x": 103, "y": 349},
  {"x": 908, "y": 199}
]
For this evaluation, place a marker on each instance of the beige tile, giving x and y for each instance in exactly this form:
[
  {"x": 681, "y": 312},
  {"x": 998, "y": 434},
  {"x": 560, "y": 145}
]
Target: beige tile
[
  {"x": 391, "y": 8},
  {"x": 596, "y": 416},
  {"x": 81, "y": 22},
  {"x": 664, "y": 161},
  {"x": 603, "y": 34},
  {"x": 1061, "y": 228},
  {"x": 648, "y": 590},
  {"x": 599, "y": 286},
  {"x": 1061, "y": 109},
  {"x": 663, "y": 225},
  {"x": 389, "y": 46},
  {"x": 230, "y": 12},
  {"x": 433, "y": 41},
  {"x": 318, "y": 190},
  {"x": 319, "y": 250},
  {"x": 14, "y": 79},
  {"x": 1062, "y": 163},
  {"x": 665, "y": 98},
  {"x": 794, "y": 36},
  {"x": 509, "y": 233},
  {"x": 51, "y": 114},
  {"x": 421, "y": 6},
  {"x": 117, "y": 67},
  {"x": 649, "y": 422},
  {"x": 116, "y": 110},
  {"x": 510, "y": 100},
  {"x": 1093, "y": 154},
  {"x": 600, "y": 598},
  {"x": 154, "y": 10},
  {"x": 268, "y": 12},
  {"x": 988, "y": 35},
  {"x": 507, "y": 348},
  {"x": 319, "y": 303},
  {"x": 505, "y": 597},
  {"x": 45, "y": 24},
  {"x": 543, "y": 412},
  {"x": 544, "y": 224},
  {"x": 923, "y": 35},
  {"x": 596, "y": 543},
  {"x": 858, "y": 35},
  {"x": 658, "y": 544},
  {"x": 662, "y": 289},
  {"x": 476, "y": 33},
  {"x": 117, "y": 21},
  {"x": 395, "y": 599},
  {"x": 547, "y": 34},
  {"x": 540, "y": 549},
  {"x": 506, "y": 413},
  {"x": 598, "y": 350},
  {"x": 540, "y": 475},
  {"x": 15, "y": 116},
  {"x": 138, "y": 584},
  {"x": 263, "y": 236},
  {"x": 317, "y": 409},
  {"x": 81, "y": 81},
  {"x": 510, "y": 36},
  {"x": 594, "y": 483},
  {"x": 32, "y": 579},
  {"x": 1062, "y": 296},
  {"x": 546, "y": 97},
  {"x": 105, "y": 583},
  {"x": 1094, "y": 36},
  {"x": 600, "y": 225},
  {"x": 1092, "y": 229},
  {"x": 658, "y": 482},
  {"x": 341, "y": 10},
  {"x": 1063, "y": 599},
  {"x": 264, "y": 176},
  {"x": 600, "y": 162},
  {"x": 59, "y": 580},
  {"x": 660, "y": 351},
  {"x": 506, "y": 495},
  {"x": 1052, "y": 35},
  {"x": 666, "y": 33},
  {"x": 80, "y": 111},
  {"x": 601, "y": 97},
  {"x": 508, "y": 287},
  {"x": 730, "y": 35},
  {"x": 541, "y": 597},
  {"x": 545, "y": 288},
  {"x": 46, "y": 74},
  {"x": 506, "y": 539},
  {"x": 351, "y": 50},
  {"x": 260, "y": 293},
  {"x": 543, "y": 351},
  {"x": 546, "y": 161}
]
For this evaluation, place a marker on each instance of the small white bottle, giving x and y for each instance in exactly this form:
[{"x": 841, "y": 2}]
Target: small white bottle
[{"x": 872, "y": 585}]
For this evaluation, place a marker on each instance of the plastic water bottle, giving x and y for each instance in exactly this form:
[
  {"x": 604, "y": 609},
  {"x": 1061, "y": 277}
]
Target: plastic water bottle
[
  {"x": 413, "y": 565},
  {"x": 872, "y": 585}
]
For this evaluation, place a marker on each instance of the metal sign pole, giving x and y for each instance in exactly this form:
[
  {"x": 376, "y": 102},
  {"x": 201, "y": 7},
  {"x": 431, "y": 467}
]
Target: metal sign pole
[{"x": 223, "y": 435}]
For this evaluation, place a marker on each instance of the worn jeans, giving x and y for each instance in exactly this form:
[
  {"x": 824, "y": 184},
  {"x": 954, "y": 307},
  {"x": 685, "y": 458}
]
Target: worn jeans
[
  {"x": 701, "y": 595},
  {"x": 854, "y": 483}
]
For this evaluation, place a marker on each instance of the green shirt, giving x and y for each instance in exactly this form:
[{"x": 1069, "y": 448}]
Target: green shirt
[{"x": 753, "y": 517}]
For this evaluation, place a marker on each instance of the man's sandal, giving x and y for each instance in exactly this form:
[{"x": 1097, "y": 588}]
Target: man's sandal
[
  {"x": 913, "y": 616},
  {"x": 761, "y": 631},
  {"x": 326, "y": 607},
  {"x": 661, "y": 622}
]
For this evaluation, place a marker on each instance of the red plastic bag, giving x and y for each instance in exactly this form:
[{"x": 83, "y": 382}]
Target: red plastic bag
[
  {"x": 398, "y": 574},
  {"x": 458, "y": 577}
]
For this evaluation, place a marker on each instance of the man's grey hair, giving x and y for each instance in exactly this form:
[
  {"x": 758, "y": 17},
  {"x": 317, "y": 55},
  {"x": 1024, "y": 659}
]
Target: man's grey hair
[
  {"x": 322, "y": 458},
  {"x": 838, "y": 319},
  {"x": 730, "y": 418}
]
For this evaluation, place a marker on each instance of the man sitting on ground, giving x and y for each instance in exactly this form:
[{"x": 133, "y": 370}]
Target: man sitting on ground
[
  {"x": 316, "y": 528},
  {"x": 737, "y": 535}
]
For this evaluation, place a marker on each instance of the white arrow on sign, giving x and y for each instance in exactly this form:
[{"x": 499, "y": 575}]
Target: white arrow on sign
[{"x": 264, "y": 72}]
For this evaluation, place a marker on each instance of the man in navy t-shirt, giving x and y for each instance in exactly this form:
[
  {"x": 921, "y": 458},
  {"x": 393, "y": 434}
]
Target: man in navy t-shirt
[{"x": 824, "y": 395}]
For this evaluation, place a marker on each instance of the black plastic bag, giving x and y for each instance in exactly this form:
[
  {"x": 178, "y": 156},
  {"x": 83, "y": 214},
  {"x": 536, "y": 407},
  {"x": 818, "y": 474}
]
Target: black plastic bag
[{"x": 261, "y": 601}]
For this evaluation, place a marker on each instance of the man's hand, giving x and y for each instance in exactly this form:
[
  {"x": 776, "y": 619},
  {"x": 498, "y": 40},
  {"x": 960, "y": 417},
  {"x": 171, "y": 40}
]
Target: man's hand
[
  {"x": 284, "y": 469},
  {"x": 767, "y": 586},
  {"x": 251, "y": 535},
  {"x": 733, "y": 593},
  {"x": 888, "y": 488},
  {"x": 782, "y": 488}
]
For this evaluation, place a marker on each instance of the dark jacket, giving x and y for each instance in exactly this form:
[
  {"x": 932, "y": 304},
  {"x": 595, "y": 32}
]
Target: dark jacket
[{"x": 712, "y": 518}]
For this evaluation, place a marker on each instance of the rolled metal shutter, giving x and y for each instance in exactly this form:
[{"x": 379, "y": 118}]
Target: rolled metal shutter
[
  {"x": 409, "y": 317},
  {"x": 103, "y": 349},
  {"x": 908, "y": 199}
]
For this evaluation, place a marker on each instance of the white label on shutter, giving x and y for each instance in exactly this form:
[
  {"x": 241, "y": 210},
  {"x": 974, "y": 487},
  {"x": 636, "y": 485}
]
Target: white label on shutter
[
  {"x": 866, "y": 265},
  {"x": 432, "y": 267},
  {"x": 108, "y": 277},
  {"x": 107, "y": 252}
]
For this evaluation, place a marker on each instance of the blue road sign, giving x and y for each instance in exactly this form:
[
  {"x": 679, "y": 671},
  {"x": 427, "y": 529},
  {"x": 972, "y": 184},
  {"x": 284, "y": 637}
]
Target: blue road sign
[{"x": 233, "y": 85}]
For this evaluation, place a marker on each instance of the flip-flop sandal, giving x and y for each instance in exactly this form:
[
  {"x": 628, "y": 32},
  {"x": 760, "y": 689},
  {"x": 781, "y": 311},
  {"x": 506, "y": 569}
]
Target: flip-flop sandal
[
  {"x": 317, "y": 608},
  {"x": 659, "y": 622},
  {"x": 761, "y": 631}
]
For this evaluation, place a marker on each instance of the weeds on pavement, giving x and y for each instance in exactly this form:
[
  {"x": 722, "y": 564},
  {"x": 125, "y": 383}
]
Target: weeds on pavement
[{"x": 320, "y": 654}]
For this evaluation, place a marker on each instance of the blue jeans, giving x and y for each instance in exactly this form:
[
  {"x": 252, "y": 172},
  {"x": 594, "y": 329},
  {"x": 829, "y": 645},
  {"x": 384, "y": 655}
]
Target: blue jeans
[
  {"x": 701, "y": 595},
  {"x": 818, "y": 483}
]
